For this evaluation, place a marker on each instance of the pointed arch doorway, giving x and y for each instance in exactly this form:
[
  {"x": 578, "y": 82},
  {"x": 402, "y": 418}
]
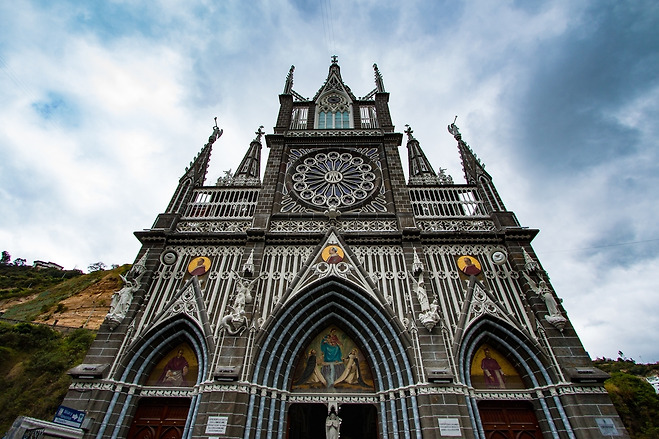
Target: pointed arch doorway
[
  {"x": 509, "y": 420},
  {"x": 160, "y": 418},
  {"x": 307, "y": 421}
]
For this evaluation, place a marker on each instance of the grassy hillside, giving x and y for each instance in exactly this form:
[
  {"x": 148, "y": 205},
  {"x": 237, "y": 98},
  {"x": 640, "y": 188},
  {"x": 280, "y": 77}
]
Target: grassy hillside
[
  {"x": 34, "y": 354},
  {"x": 634, "y": 398},
  {"x": 33, "y": 376},
  {"x": 68, "y": 297}
]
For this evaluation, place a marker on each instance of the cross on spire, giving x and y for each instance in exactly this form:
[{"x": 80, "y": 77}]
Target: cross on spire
[
  {"x": 409, "y": 132},
  {"x": 335, "y": 59},
  {"x": 259, "y": 133}
]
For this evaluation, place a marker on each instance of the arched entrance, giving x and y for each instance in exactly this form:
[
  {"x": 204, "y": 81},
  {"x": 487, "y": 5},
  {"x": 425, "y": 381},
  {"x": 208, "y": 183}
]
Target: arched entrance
[
  {"x": 286, "y": 361},
  {"x": 500, "y": 363},
  {"x": 160, "y": 418},
  {"x": 307, "y": 421},
  {"x": 509, "y": 420}
]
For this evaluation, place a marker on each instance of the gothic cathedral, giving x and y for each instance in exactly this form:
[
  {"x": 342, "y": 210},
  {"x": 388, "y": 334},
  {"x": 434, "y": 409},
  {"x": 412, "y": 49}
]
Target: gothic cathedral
[{"x": 334, "y": 298}]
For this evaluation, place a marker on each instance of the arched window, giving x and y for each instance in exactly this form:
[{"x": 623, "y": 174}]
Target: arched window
[
  {"x": 331, "y": 120},
  {"x": 334, "y": 112}
]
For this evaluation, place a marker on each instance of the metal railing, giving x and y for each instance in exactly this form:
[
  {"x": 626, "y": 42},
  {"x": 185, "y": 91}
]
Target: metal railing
[
  {"x": 222, "y": 203},
  {"x": 451, "y": 201}
]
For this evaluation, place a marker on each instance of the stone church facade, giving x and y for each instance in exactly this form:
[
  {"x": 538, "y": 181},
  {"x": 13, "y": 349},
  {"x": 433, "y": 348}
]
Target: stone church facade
[{"x": 335, "y": 298}]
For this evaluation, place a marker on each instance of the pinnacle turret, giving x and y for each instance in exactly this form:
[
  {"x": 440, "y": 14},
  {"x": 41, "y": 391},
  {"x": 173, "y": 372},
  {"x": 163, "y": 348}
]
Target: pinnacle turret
[
  {"x": 420, "y": 169},
  {"x": 249, "y": 170},
  {"x": 195, "y": 174}
]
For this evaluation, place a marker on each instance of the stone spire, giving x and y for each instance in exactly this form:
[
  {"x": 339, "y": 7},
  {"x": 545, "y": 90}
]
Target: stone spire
[
  {"x": 249, "y": 170},
  {"x": 420, "y": 169},
  {"x": 334, "y": 82},
  {"x": 195, "y": 174},
  {"x": 288, "y": 87},
  {"x": 471, "y": 164},
  {"x": 475, "y": 173},
  {"x": 379, "y": 83}
]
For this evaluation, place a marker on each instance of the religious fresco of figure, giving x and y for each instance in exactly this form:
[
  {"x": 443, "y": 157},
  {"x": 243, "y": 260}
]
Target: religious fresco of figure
[
  {"x": 199, "y": 266},
  {"x": 469, "y": 265},
  {"x": 179, "y": 368},
  {"x": 491, "y": 370},
  {"x": 332, "y": 362},
  {"x": 332, "y": 254}
]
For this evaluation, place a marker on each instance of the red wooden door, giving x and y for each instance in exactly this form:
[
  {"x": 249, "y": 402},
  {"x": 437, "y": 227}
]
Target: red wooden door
[
  {"x": 160, "y": 418},
  {"x": 509, "y": 420}
]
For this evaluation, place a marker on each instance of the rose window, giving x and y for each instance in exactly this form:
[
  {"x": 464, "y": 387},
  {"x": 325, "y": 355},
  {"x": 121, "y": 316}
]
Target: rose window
[{"x": 333, "y": 179}]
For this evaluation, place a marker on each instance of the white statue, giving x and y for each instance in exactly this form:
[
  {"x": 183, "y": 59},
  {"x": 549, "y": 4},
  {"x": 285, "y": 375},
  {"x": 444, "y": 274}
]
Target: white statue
[
  {"x": 555, "y": 317},
  {"x": 235, "y": 321},
  {"x": 431, "y": 317},
  {"x": 420, "y": 290},
  {"x": 121, "y": 301},
  {"x": 333, "y": 425}
]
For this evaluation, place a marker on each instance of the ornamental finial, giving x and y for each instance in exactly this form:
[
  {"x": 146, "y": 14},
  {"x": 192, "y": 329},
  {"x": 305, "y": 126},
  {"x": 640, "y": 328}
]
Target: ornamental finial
[
  {"x": 335, "y": 59},
  {"x": 259, "y": 133},
  {"x": 217, "y": 132},
  {"x": 289, "y": 81},
  {"x": 409, "y": 132},
  {"x": 453, "y": 128},
  {"x": 379, "y": 83}
]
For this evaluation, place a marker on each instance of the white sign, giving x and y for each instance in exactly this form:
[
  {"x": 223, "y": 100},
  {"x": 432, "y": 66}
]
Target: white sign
[
  {"x": 217, "y": 425},
  {"x": 449, "y": 427},
  {"x": 607, "y": 427}
]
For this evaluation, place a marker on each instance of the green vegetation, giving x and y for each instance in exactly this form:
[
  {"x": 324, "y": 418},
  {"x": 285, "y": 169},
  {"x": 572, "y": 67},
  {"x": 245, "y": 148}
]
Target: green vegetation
[
  {"x": 46, "y": 288},
  {"x": 634, "y": 398},
  {"x": 33, "y": 376},
  {"x": 23, "y": 280}
]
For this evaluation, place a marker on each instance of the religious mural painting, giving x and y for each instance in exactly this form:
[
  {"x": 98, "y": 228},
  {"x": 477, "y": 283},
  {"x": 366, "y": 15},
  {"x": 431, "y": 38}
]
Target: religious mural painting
[
  {"x": 469, "y": 265},
  {"x": 491, "y": 370},
  {"x": 332, "y": 254},
  {"x": 179, "y": 368},
  {"x": 332, "y": 361},
  {"x": 199, "y": 266}
]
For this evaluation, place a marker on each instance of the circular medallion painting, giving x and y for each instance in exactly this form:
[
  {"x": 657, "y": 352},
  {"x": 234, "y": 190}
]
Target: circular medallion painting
[
  {"x": 199, "y": 266},
  {"x": 333, "y": 179}
]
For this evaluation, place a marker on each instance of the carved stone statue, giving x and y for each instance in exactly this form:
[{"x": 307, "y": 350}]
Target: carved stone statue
[
  {"x": 555, "y": 317},
  {"x": 236, "y": 321},
  {"x": 122, "y": 299},
  {"x": 431, "y": 317},
  {"x": 333, "y": 425},
  {"x": 420, "y": 290}
]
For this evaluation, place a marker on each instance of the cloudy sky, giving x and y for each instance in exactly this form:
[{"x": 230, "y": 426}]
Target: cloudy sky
[{"x": 103, "y": 105}]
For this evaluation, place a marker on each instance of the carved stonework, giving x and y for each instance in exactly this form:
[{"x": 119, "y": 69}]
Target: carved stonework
[
  {"x": 212, "y": 226},
  {"x": 291, "y": 226},
  {"x": 122, "y": 299},
  {"x": 236, "y": 322},
  {"x": 555, "y": 316},
  {"x": 334, "y": 133},
  {"x": 456, "y": 225}
]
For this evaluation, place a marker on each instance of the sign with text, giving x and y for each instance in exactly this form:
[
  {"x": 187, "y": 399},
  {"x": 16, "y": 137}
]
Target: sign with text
[
  {"x": 68, "y": 416},
  {"x": 449, "y": 427},
  {"x": 217, "y": 425}
]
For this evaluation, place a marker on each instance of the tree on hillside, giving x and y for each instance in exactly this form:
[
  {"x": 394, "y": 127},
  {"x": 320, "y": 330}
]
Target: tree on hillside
[
  {"x": 6, "y": 258},
  {"x": 96, "y": 266},
  {"x": 20, "y": 262}
]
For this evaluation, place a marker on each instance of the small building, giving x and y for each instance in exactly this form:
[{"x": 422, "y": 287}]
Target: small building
[{"x": 40, "y": 265}]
